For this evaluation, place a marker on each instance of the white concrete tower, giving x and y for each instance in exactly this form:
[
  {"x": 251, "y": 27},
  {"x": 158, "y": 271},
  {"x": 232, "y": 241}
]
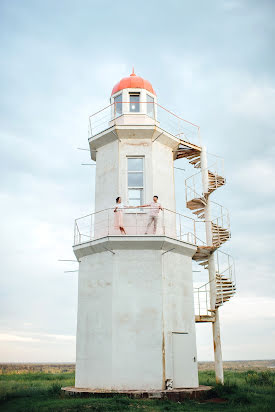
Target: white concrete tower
[{"x": 136, "y": 321}]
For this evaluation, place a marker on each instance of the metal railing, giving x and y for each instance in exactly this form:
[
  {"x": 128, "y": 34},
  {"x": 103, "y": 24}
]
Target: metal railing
[
  {"x": 194, "y": 190},
  {"x": 216, "y": 164},
  {"x": 150, "y": 113},
  {"x": 138, "y": 222},
  {"x": 225, "y": 283},
  {"x": 193, "y": 183},
  {"x": 202, "y": 300}
]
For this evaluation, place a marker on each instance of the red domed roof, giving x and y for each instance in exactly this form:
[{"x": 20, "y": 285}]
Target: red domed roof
[{"x": 133, "y": 82}]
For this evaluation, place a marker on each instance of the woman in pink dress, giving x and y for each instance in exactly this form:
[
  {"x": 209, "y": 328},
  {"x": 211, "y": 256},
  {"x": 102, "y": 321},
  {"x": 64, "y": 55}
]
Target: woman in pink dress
[{"x": 119, "y": 216}]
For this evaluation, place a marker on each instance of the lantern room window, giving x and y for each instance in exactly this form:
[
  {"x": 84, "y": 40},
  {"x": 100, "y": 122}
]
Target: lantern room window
[
  {"x": 134, "y": 102},
  {"x": 135, "y": 180},
  {"x": 118, "y": 105},
  {"x": 150, "y": 106}
]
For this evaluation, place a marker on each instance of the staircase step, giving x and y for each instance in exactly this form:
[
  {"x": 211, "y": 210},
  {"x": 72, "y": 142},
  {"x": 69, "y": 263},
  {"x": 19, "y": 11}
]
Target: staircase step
[
  {"x": 223, "y": 280},
  {"x": 204, "y": 318},
  {"x": 217, "y": 244},
  {"x": 220, "y": 235},
  {"x": 226, "y": 286},
  {"x": 220, "y": 302}
]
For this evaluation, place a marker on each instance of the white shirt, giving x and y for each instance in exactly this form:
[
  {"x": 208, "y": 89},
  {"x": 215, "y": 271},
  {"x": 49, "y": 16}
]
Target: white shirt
[
  {"x": 154, "y": 208},
  {"x": 120, "y": 206}
]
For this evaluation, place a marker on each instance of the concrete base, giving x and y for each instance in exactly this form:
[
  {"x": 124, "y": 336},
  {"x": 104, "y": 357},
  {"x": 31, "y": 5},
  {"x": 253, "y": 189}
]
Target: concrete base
[{"x": 172, "y": 395}]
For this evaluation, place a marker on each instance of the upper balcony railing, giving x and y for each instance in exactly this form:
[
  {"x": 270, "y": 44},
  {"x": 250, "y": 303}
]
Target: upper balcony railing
[
  {"x": 143, "y": 113},
  {"x": 138, "y": 222}
]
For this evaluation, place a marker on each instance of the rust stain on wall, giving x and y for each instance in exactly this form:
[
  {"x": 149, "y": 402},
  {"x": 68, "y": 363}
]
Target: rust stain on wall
[
  {"x": 163, "y": 361},
  {"x": 137, "y": 144}
]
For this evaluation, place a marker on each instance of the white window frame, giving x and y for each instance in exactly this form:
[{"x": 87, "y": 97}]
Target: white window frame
[{"x": 141, "y": 188}]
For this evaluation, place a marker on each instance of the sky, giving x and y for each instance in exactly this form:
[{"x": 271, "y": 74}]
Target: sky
[{"x": 211, "y": 62}]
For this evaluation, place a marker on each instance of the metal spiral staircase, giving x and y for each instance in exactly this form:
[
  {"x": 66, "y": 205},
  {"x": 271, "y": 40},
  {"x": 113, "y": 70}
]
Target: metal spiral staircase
[{"x": 196, "y": 200}]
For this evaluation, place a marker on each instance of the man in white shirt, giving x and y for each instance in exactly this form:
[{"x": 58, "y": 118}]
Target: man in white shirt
[{"x": 155, "y": 207}]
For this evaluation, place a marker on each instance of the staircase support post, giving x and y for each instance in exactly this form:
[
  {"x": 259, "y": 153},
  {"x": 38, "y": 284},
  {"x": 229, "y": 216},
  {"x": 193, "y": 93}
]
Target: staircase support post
[
  {"x": 216, "y": 324},
  {"x": 212, "y": 272},
  {"x": 217, "y": 348},
  {"x": 207, "y": 211}
]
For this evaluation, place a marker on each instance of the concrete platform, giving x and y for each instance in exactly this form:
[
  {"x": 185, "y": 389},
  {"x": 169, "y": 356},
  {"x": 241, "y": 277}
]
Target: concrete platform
[{"x": 172, "y": 395}]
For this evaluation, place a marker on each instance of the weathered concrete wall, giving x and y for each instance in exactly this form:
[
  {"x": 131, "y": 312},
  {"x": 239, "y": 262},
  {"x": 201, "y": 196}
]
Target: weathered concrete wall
[
  {"x": 129, "y": 304},
  {"x": 178, "y": 315},
  {"x": 119, "y": 336},
  {"x": 163, "y": 175},
  {"x": 107, "y": 176}
]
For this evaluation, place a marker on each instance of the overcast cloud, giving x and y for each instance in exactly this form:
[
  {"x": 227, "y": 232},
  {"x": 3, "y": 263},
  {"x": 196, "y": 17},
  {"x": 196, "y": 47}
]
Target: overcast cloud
[{"x": 211, "y": 62}]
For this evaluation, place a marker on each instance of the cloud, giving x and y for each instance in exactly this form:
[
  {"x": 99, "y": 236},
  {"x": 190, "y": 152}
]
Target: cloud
[
  {"x": 238, "y": 320},
  {"x": 5, "y": 337},
  {"x": 232, "y": 4},
  {"x": 34, "y": 337},
  {"x": 257, "y": 103},
  {"x": 256, "y": 176},
  {"x": 212, "y": 65},
  {"x": 250, "y": 308},
  {"x": 17, "y": 346}
]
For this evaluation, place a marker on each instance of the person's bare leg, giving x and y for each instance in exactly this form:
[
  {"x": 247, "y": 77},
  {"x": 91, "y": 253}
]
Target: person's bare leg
[
  {"x": 149, "y": 224},
  {"x": 155, "y": 224}
]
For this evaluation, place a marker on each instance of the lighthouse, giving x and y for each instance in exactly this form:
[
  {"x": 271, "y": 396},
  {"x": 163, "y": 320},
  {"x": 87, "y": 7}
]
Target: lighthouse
[{"x": 136, "y": 298}]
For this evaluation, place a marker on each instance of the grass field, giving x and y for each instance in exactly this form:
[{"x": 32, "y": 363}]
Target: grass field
[{"x": 33, "y": 390}]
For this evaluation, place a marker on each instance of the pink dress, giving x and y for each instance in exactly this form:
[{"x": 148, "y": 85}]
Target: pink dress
[{"x": 118, "y": 220}]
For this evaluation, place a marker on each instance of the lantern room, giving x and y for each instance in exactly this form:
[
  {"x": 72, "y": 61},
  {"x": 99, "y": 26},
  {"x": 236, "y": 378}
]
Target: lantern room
[{"x": 134, "y": 96}]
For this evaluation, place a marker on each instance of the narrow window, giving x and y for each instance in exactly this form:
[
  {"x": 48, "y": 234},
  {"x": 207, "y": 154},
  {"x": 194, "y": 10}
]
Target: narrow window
[
  {"x": 135, "y": 180},
  {"x": 134, "y": 102},
  {"x": 118, "y": 105},
  {"x": 150, "y": 106}
]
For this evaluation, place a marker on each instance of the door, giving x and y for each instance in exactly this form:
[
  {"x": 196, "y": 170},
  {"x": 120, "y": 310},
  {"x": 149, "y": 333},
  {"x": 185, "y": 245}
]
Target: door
[{"x": 184, "y": 361}]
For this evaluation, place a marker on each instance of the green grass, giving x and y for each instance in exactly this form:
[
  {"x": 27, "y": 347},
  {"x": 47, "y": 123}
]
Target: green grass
[{"x": 243, "y": 391}]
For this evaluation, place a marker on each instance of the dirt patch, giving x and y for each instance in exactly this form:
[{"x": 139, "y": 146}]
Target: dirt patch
[{"x": 216, "y": 400}]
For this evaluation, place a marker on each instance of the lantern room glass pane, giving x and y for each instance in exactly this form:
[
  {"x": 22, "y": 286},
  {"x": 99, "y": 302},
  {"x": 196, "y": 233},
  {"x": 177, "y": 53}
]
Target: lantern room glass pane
[
  {"x": 150, "y": 106},
  {"x": 134, "y": 102},
  {"x": 118, "y": 105},
  {"x": 135, "y": 164}
]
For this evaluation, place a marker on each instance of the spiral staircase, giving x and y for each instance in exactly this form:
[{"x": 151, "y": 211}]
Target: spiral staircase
[{"x": 196, "y": 201}]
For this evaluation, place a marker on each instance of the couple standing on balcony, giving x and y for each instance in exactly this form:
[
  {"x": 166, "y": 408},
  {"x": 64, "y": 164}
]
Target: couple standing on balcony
[{"x": 155, "y": 207}]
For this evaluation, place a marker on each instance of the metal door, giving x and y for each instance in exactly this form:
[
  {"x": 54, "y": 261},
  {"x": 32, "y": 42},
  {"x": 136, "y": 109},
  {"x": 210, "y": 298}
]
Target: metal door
[{"x": 184, "y": 360}]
